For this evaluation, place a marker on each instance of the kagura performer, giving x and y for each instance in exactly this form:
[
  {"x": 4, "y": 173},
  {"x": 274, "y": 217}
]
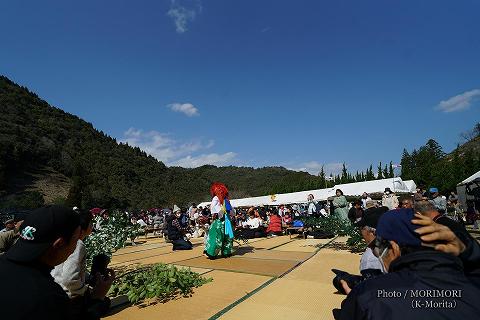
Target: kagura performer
[{"x": 220, "y": 235}]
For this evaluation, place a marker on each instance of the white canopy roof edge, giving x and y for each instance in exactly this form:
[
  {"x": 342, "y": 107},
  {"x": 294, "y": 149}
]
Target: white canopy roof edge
[
  {"x": 349, "y": 189},
  {"x": 473, "y": 177}
]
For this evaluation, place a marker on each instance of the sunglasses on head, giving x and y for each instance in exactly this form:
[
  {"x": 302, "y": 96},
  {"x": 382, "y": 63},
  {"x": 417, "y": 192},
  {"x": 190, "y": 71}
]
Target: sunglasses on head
[{"x": 379, "y": 247}]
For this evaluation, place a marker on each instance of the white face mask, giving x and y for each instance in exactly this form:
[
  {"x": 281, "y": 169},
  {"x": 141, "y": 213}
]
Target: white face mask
[{"x": 382, "y": 255}]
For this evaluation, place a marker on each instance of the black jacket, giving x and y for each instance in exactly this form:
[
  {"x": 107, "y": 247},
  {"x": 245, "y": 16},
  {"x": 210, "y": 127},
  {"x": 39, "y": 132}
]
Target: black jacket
[
  {"x": 413, "y": 289},
  {"x": 471, "y": 256},
  {"x": 172, "y": 231},
  {"x": 29, "y": 292}
]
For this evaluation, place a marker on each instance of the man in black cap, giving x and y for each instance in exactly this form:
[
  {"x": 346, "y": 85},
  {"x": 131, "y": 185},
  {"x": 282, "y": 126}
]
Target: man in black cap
[
  {"x": 47, "y": 237},
  {"x": 421, "y": 283},
  {"x": 369, "y": 264}
]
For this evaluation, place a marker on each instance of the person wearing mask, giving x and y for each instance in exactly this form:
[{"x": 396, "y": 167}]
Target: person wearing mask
[
  {"x": 340, "y": 205},
  {"x": 415, "y": 267},
  {"x": 365, "y": 198},
  {"x": 176, "y": 231},
  {"x": 369, "y": 264},
  {"x": 389, "y": 199}
]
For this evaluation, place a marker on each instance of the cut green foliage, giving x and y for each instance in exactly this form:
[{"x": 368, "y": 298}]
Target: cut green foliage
[
  {"x": 112, "y": 234},
  {"x": 160, "y": 282},
  {"x": 335, "y": 225}
]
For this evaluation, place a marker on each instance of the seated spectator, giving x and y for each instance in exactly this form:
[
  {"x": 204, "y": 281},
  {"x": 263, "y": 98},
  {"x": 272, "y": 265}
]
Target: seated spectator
[
  {"x": 176, "y": 232},
  {"x": 406, "y": 202},
  {"x": 252, "y": 228},
  {"x": 369, "y": 264},
  {"x": 438, "y": 201},
  {"x": 372, "y": 208},
  {"x": 141, "y": 222},
  {"x": 47, "y": 237},
  {"x": 71, "y": 275},
  {"x": 418, "y": 195},
  {"x": 9, "y": 223},
  {"x": 253, "y": 221},
  {"x": 365, "y": 198},
  {"x": 412, "y": 268},
  {"x": 471, "y": 214},
  {"x": 275, "y": 224},
  {"x": 428, "y": 209},
  {"x": 8, "y": 238},
  {"x": 287, "y": 219},
  {"x": 323, "y": 211},
  {"x": 389, "y": 199},
  {"x": 356, "y": 212},
  {"x": 158, "y": 221}
]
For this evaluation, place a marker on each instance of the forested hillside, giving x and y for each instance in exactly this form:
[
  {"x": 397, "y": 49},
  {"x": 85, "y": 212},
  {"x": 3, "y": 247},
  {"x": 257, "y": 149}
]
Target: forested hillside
[
  {"x": 48, "y": 155},
  {"x": 37, "y": 139}
]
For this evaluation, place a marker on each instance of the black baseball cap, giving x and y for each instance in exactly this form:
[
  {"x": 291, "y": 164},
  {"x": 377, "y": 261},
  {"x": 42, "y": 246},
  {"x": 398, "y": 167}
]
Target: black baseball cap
[{"x": 40, "y": 229}]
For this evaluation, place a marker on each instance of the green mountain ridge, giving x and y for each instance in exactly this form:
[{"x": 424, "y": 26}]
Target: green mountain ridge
[
  {"x": 38, "y": 141},
  {"x": 50, "y": 156}
]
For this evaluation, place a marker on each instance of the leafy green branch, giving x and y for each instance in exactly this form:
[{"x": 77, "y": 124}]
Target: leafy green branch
[
  {"x": 111, "y": 235},
  {"x": 339, "y": 227},
  {"x": 160, "y": 282}
]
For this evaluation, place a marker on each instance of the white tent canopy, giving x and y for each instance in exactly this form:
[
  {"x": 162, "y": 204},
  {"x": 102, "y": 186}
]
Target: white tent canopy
[
  {"x": 411, "y": 185},
  {"x": 349, "y": 189},
  {"x": 374, "y": 186},
  {"x": 473, "y": 178}
]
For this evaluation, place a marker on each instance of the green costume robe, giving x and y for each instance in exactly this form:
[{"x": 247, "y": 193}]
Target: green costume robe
[{"x": 341, "y": 207}]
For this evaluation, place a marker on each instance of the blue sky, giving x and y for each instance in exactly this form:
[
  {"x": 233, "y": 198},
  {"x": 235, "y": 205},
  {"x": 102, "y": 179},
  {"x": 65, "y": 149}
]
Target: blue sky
[{"x": 293, "y": 83}]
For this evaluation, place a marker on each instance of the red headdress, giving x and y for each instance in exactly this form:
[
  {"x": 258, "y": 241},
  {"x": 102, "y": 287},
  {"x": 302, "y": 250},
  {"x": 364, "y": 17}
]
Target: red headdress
[{"x": 220, "y": 190}]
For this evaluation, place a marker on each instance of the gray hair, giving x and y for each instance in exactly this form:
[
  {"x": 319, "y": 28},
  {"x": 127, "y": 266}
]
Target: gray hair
[
  {"x": 424, "y": 206},
  {"x": 369, "y": 229}
]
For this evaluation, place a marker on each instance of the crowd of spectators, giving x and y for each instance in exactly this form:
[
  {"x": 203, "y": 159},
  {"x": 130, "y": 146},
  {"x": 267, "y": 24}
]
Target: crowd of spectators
[
  {"x": 415, "y": 242},
  {"x": 418, "y": 256}
]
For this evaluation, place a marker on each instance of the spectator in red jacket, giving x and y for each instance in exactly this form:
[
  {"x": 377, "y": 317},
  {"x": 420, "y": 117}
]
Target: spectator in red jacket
[{"x": 275, "y": 225}]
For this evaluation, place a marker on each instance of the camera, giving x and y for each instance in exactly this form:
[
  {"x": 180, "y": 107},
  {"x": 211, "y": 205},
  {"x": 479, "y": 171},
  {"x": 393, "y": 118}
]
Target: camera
[
  {"x": 99, "y": 264},
  {"x": 350, "y": 279}
]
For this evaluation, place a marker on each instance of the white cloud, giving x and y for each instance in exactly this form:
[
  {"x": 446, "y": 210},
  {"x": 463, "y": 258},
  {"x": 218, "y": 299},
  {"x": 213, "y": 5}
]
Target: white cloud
[
  {"x": 314, "y": 167},
  {"x": 459, "y": 102},
  {"x": 187, "y": 108},
  {"x": 182, "y": 15},
  {"x": 175, "y": 153},
  {"x": 212, "y": 158}
]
